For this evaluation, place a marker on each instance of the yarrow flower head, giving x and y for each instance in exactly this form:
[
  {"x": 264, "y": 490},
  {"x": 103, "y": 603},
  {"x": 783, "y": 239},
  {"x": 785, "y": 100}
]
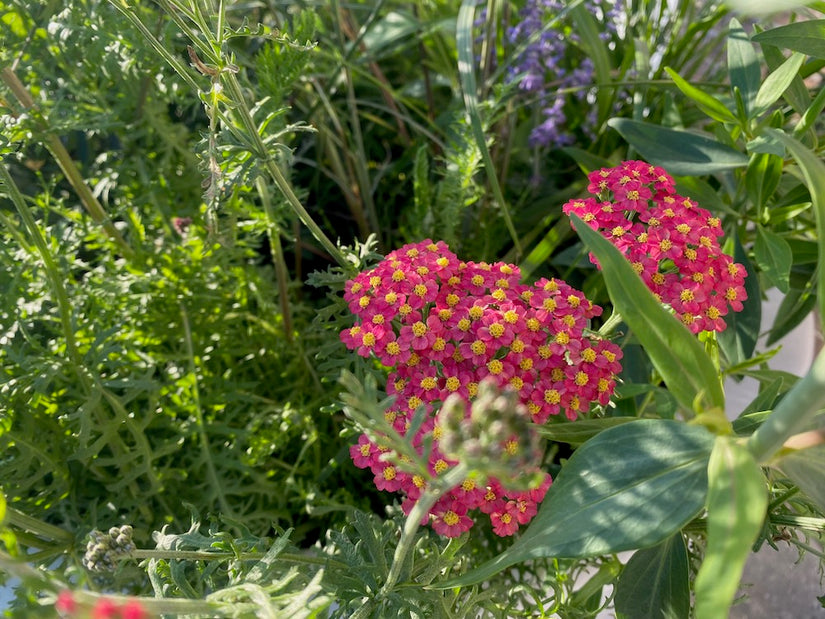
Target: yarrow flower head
[
  {"x": 103, "y": 608},
  {"x": 449, "y": 329},
  {"x": 669, "y": 239}
]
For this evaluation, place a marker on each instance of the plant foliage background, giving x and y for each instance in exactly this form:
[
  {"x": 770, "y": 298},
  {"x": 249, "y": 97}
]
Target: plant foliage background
[{"x": 188, "y": 185}]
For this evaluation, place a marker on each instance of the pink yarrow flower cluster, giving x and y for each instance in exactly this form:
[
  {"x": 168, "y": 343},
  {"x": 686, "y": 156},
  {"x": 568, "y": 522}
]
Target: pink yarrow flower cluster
[
  {"x": 443, "y": 325},
  {"x": 67, "y": 606},
  {"x": 670, "y": 241}
]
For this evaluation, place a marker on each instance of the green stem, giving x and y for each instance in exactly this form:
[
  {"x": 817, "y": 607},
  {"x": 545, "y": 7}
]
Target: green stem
[
  {"x": 64, "y": 160},
  {"x": 200, "y": 555},
  {"x": 422, "y": 507},
  {"x": 610, "y": 324},
  {"x": 52, "y": 272},
  {"x": 802, "y": 402},
  {"x": 204, "y": 439},
  {"x": 273, "y": 232},
  {"x": 259, "y": 150},
  {"x": 42, "y": 529}
]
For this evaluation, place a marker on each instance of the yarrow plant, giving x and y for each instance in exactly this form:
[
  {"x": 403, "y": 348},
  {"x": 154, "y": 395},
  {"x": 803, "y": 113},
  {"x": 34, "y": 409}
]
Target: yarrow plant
[
  {"x": 670, "y": 241},
  {"x": 443, "y": 326}
]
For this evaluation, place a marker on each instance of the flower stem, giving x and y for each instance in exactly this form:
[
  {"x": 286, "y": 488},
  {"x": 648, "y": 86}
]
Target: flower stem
[
  {"x": 802, "y": 402},
  {"x": 441, "y": 485},
  {"x": 201, "y": 555},
  {"x": 38, "y": 527},
  {"x": 55, "y": 277}
]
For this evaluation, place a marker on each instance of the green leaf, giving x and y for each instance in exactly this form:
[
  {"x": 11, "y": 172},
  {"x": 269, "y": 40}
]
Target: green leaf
[
  {"x": 581, "y": 431},
  {"x": 464, "y": 34},
  {"x": 795, "y": 307},
  {"x": 764, "y": 144},
  {"x": 676, "y": 354},
  {"x": 709, "y": 104},
  {"x": 811, "y": 114},
  {"x": 762, "y": 178},
  {"x": 806, "y": 468},
  {"x": 655, "y": 583},
  {"x": 813, "y": 170},
  {"x": 737, "y": 503},
  {"x": 587, "y": 161},
  {"x": 2, "y": 507},
  {"x": 774, "y": 257},
  {"x": 777, "y": 83},
  {"x": 682, "y": 153},
  {"x": 738, "y": 341},
  {"x": 601, "y": 504},
  {"x": 743, "y": 66},
  {"x": 589, "y": 32},
  {"x": 807, "y": 37}
]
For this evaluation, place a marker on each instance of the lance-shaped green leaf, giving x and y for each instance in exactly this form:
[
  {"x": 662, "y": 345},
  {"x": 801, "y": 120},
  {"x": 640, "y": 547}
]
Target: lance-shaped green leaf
[
  {"x": 681, "y": 153},
  {"x": 709, "y": 104},
  {"x": 581, "y": 431},
  {"x": 738, "y": 341},
  {"x": 629, "y": 487},
  {"x": 807, "y": 37},
  {"x": 743, "y": 66},
  {"x": 737, "y": 502},
  {"x": 655, "y": 583},
  {"x": 777, "y": 83},
  {"x": 813, "y": 170},
  {"x": 774, "y": 257},
  {"x": 676, "y": 354}
]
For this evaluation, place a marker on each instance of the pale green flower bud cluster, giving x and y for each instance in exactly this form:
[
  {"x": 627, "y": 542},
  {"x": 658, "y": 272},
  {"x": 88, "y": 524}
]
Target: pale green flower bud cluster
[
  {"x": 496, "y": 438},
  {"x": 104, "y": 550}
]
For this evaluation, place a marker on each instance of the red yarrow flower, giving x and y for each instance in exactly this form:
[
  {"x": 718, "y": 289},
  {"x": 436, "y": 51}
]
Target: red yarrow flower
[
  {"x": 670, "y": 241},
  {"x": 442, "y": 326}
]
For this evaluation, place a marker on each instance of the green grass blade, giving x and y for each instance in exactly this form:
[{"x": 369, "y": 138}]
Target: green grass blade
[
  {"x": 466, "y": 71},
  {"x": 813, "y": 171}
]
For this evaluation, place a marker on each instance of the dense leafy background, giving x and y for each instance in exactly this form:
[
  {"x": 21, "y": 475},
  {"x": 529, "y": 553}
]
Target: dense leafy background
[{"x": 189, "y": 372}]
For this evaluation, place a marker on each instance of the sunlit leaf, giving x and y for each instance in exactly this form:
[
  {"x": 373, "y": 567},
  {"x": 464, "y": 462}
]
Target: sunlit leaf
[
  {"x": 806, "y": 36},
  {"x": 681, "y": 153},
  {"x": 777, "y": 83},
  {"x": 737, "y": 502},
  {"x": 602, "y": 504},
  {"x": 709, "y": 104},
  {"x": 743, "y": 66}
]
